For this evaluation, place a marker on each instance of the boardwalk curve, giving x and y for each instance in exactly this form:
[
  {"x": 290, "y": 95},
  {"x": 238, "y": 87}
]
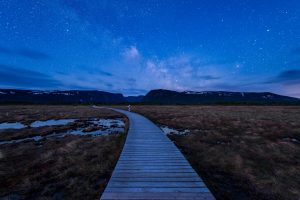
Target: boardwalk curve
[{"x": 151, "y": 167}]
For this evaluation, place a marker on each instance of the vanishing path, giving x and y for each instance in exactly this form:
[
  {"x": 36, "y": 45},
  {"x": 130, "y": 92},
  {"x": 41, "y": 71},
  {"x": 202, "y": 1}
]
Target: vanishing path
[{"x": 151, "y": 167}]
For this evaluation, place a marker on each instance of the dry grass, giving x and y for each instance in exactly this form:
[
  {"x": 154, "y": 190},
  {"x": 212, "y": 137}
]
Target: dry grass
[
  {"x": 27, "y": 114},
  {"x": 73, "y": 167},
  {"x": 242, "y": 152}
]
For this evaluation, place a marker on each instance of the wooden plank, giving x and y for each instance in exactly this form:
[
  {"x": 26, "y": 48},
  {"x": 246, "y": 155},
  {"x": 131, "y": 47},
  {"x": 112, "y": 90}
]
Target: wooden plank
[
  {"x": 150, "y": 157},
  {"x": 156, "y": 189},
  {"x": 155, "y": 161},
  {"x": 155, "y": 170},
  {"x": 150, "y": 153},
  {"x": 156, "y": 184},
  {"x": 134, "y": 167},
  {"x": 157, "y": 196},
  {"x": 160, "y": 179},
  {"x": 153, "y": 165},
  {"x": 154, "y": 175}
]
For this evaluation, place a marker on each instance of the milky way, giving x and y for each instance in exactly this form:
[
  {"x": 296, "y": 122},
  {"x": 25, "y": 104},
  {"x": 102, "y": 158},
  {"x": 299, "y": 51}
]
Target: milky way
[{"x": 134, "y": 46}]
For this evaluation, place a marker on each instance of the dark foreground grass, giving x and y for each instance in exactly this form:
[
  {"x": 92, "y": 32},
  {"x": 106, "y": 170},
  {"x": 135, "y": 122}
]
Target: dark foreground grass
[
  {"x": 242, "y": 152},
  {"x": 72, "y": 167},
  {"x": 28, "y": 114}
]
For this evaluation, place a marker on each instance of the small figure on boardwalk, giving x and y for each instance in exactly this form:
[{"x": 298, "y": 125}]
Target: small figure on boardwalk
[{"x": 129, "y": 107}]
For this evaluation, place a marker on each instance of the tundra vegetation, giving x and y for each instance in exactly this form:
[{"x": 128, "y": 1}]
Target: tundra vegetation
[
  {"x": 241, "y": 152},
  {"x": 70, "y": 167}
]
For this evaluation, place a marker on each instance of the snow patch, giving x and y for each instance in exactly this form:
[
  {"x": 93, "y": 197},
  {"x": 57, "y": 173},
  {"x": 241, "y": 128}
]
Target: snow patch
[
  {"x": 168, "y": 131},
  {"x": 193, "y": 92},
  {"x": 268, "y": 96}
]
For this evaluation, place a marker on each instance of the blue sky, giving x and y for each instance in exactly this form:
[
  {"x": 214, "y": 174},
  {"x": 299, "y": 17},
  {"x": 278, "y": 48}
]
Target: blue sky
[{"x": 135, "y": 46}]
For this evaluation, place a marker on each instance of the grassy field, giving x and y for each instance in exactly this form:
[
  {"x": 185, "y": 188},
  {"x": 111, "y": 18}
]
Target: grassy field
[
  {"x": 242, "y": 152},
  {"x": 70, "y": 167}
]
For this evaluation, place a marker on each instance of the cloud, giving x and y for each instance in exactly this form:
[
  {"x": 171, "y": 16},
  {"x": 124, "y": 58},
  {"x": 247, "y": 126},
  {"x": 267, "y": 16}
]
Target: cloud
[
  {"x": 105, "y": 73},
  {"x": 131, "y": 53},
  {"x": 292, "y": 90},
  {"x": 83, "y": 69},
  {"x": 85, "y": 79},
  {"x": 26, "y": 53},
  {"x": 101, "y": 72},
  {"x": 288, "y": 77},
  {"x": 208, "y": 77},
  {"x": 12, "y": 76},
  {"x": 32, "y": 54},
  {"x": 286, "y": 82}
]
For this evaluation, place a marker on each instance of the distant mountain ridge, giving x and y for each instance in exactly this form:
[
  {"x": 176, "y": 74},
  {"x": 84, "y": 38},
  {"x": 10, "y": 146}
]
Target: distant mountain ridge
[
  {"x": 59, "y": 97},
  {"x": 216, "y": 97},
  {"x": 159, "y": 96}
]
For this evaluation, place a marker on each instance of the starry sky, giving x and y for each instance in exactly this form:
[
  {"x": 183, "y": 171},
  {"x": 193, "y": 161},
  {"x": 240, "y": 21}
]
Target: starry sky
[{"x": 134, "y": 46}]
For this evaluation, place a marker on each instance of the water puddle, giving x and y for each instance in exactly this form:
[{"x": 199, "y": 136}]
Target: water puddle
[
  {"x": 108, "y": 122},
  {"x": 55, "y": 122},
  {"x": 81, "y": 132},
  {"x": 51, "y": 122},
  {"x": 168, "y": 131},
  {"x": 13, "y": 125},
  {"x": 293, "y": 140},
  {"x": 103, "y": 126},
  {"x": 34, "y": 138},
  {"x": 36, "y": 124}
]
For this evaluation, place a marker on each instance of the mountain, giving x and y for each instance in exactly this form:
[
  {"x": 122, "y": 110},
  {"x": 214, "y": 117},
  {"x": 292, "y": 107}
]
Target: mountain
[
  {"x": 216, "y": 97},
  {"x": 59, "y": 97},
  {"x": 153, "y": 97}
]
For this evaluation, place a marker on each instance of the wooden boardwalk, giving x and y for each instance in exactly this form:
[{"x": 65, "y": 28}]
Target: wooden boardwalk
[{"x": 151, "y": 167}]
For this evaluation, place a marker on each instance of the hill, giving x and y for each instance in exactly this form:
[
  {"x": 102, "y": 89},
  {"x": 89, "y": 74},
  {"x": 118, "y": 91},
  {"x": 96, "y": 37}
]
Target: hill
[
  {"x": 59, "y": 97},
  {"x": 153, "y": 97},
  {"x": 216, "y": 97}
]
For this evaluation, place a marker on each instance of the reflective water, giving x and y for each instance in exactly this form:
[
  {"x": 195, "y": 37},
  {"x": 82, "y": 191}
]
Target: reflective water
[
  {"x": 13, "y": 125},
  {"x": 105, "y": 126},
  {"x": 51, "y": 122}
]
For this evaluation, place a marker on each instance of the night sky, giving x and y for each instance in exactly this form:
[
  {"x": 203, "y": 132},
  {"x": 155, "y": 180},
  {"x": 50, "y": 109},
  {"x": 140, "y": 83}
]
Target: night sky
[{"x": 137, "y": 45}]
